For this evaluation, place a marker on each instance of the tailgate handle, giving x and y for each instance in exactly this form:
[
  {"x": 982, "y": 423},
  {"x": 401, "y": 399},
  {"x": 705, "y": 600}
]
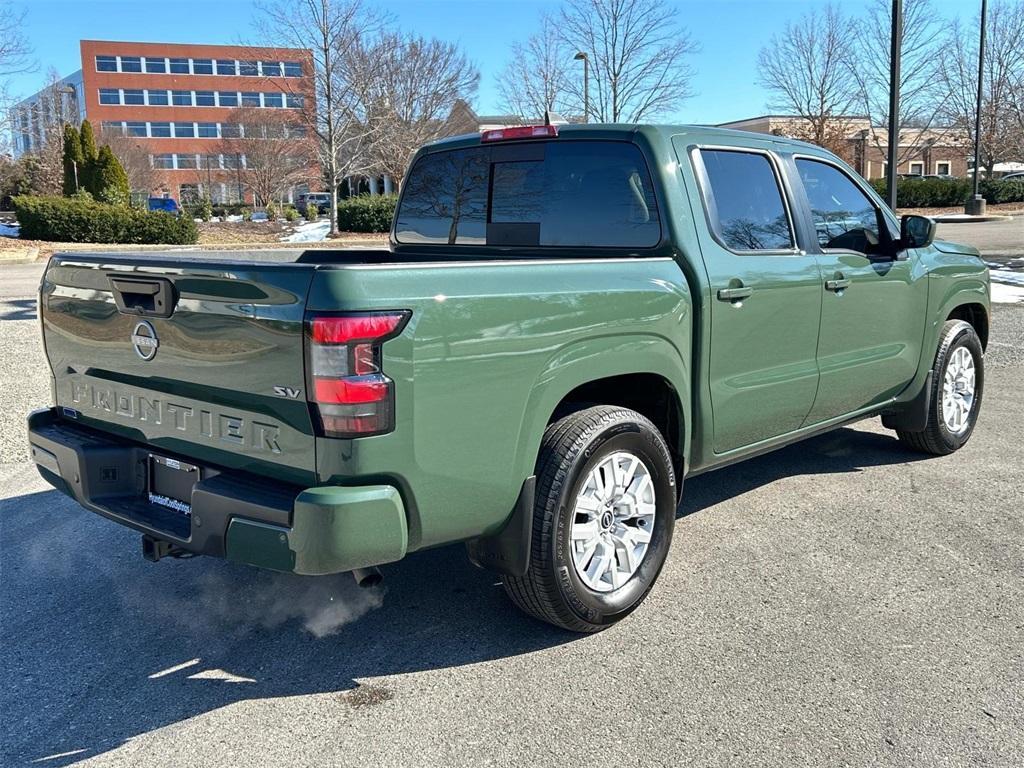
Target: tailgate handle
[{"x": 154, "y": 297}]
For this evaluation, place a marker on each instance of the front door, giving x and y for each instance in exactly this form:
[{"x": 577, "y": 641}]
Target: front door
[
  {"x": 874, "y": 297},
  {"x": 765, "y": 298}
]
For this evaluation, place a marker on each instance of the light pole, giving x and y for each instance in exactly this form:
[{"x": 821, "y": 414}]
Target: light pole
[
  {"x": 896, "y": 46},
  {"x": 581, "y": 56},
  {"x": 976, "y": 205}
]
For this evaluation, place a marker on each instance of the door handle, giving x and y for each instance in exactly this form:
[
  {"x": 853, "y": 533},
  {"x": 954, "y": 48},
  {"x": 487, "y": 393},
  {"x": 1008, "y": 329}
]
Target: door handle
[
  {"x": 838, "y": 284},
  {"x": 734, "y": 294}
]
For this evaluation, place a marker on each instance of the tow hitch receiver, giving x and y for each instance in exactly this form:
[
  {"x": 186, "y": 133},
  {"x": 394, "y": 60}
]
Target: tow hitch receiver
[{"x": 154, "y": 549}]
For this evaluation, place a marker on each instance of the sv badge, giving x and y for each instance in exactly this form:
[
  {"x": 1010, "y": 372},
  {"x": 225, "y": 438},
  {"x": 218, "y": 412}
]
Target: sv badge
[{"x": 287, "y": 392}]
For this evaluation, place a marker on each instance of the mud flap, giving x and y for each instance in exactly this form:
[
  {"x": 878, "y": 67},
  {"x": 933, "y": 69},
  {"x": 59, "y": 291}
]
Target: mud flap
[
  {"x": 508, "y": 551},
  {"x": 913, "y": 416}
]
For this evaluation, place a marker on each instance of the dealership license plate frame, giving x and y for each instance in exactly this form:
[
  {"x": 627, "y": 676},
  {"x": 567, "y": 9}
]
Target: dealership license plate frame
[{"x": 169, "y": 483}]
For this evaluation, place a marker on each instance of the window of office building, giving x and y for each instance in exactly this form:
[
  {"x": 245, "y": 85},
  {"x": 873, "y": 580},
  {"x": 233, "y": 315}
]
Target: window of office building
[
  {"x": 110, "y": 96},
  {"x": 273, "y": 99},
  {"x": 202, "y": 66},
  {"x": 205, "y": 99},
  {"x": 106, "y": 63},
  {"x": 225, "y": 66},
  {"x": 157, "y": 98},
  {"x": 131, "y": 64},
  {"x": 184, "y": 130},
  {"x": 292, "y": 69},
  {"x": 227, "y": 98},
  {"x": 134, "y": 96},
  {"x": 181, "y": 98},
  {"x": 156, "y": 65},
  {"x": 179, "y": 66}
]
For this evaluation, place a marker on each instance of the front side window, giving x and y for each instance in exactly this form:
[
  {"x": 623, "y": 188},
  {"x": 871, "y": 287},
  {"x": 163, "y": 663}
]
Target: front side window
[
  {"x": 202, "y": 66},
  {"x": 181, "y": 98},
  {"x": 132, "y": 96},
  {"x": 157, "y": 98},
  {"x": 156, "y": 66},
  {"x": 744, "y": 201},
  {"x": 844, "y": 217},
  {"x": 205, "y": 99},
  {"x": 131, "y": 64},
  {"x": 179, "y": 66},
  {"x": 555, "y": 194},
  {"x": 106, "y": 63},
  {"x": 110, "y": 96}
]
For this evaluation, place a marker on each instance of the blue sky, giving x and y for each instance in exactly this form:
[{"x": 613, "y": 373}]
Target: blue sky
[{"x": 730, "y": 33}]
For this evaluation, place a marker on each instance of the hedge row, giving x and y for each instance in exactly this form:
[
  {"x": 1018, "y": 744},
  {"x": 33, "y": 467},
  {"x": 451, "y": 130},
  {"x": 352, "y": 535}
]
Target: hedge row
[
  {"x": 367, "y": 213},
  {"x": 68, "y": 220},
  {"x": 945, "y": 193}
]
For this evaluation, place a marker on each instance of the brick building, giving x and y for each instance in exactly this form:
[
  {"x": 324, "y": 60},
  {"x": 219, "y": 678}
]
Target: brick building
[
  {"x": 922, "y": 152},
  {"x": 180, "y": 104}
]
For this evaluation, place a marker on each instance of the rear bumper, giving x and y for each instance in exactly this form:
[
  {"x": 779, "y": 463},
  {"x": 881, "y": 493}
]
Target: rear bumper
[{"x": 311, "y": 531}]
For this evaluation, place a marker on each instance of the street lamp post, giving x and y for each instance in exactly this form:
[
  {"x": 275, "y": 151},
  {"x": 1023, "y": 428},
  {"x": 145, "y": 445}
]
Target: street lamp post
[
  {"x": 896, "y": 46},
  {"x": 976, "y": 205},
  {"x": 581, "y": 56}
]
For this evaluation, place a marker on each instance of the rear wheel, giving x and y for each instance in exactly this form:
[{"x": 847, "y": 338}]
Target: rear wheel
[
  {"x": 603, "y": 518},
  {"x": 957, "y": 388}
]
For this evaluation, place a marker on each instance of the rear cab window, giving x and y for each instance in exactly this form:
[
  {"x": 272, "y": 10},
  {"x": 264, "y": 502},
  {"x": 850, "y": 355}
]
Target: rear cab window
[{"x": 556, "y": 193}]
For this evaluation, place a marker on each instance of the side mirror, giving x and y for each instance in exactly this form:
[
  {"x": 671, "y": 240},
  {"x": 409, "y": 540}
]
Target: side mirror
[{"x": 916, "y": 231}]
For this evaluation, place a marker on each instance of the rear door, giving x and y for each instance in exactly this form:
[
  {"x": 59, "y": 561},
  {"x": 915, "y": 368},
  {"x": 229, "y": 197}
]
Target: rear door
[
  {"x": 874, "y": 297},
  {"x": 765, "y": 297},
  {"x": 197, "y": 359}
]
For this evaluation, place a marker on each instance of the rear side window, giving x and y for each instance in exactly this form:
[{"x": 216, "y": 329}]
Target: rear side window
[
  {"x": 744, "y": 201},
  {"x": 550, "y": 194}
]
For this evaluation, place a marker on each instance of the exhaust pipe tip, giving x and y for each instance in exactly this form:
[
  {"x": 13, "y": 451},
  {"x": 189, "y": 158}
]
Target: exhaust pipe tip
[{"x": 367, "y": 577}]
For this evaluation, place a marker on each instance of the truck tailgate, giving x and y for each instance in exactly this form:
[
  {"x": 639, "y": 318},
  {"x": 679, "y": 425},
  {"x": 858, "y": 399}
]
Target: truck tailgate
[{"x": 203, "y": 360}]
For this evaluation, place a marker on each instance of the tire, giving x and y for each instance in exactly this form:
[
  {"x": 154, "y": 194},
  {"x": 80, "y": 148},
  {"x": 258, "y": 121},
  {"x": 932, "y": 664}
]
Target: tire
[
  {"x": 938, "y": 438},
  {"x": 575, "y": 449}
]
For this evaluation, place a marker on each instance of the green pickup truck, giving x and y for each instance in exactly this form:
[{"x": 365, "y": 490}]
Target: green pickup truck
[{"x": 569, "y": 320}]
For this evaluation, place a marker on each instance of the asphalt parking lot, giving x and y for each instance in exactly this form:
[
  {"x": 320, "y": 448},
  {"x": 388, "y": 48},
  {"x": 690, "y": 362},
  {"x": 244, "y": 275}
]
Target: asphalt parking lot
[{"x": 838, "y": 602}]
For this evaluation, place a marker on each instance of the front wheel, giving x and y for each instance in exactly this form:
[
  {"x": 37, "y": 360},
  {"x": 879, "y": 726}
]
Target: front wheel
[
  {"x": 957, "y": 388},
  {"x": 603, "y": 518}
]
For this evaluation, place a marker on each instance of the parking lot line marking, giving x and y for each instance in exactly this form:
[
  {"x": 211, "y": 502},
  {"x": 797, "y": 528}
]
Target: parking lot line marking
[{"x": 175, "y": 668}]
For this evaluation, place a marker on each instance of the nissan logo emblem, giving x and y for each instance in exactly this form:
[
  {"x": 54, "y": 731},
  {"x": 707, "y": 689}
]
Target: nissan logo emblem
[{"x": 144, "y": 340}]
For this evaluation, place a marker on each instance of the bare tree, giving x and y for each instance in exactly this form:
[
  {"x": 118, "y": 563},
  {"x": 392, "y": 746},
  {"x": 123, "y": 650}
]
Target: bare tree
[
  {"x": 276, "y": 151},
  {"x": 134, "y": 158},
  {"x": 1001, "y": 135},
  {"x": 329, "y": 29},
  {"x": 921, "y": 97},
  {"x": 537, "y": 76},
  {"x": 637, "y": 55},
  {"x": 805, "y": 71},
  {"x": 15, "y": 58},
  {"x": 410, "y": 87}
]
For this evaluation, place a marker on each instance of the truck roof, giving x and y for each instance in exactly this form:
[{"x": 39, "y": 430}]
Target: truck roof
[{"x": 705, "y": 134}]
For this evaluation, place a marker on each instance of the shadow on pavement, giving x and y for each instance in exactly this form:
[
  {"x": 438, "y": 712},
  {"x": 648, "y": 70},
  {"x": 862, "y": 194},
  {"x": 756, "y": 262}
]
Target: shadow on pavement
[
  {"x": 101, "y": 646},
  {"x": 17, "y": 309}
]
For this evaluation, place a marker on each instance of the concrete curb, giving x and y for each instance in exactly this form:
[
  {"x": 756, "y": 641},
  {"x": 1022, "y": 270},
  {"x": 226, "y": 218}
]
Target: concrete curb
[
  {"x": 963, "y": 218},
  {"x": 18, "y": 255}
]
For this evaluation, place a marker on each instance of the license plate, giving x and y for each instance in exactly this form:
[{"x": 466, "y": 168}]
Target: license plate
[{"x": 171, "y": 482}]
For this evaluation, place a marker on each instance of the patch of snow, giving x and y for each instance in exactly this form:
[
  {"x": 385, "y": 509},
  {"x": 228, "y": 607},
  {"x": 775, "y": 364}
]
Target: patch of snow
[
  {"x": 309, "y": 232},
  {"x": 10, "y": 230},
  {"x": 1007, "y": 277},
  {"x": 1007, "y": 294},
  {"x": 258, "y": 216},
  {"x": 234, "y": 217}
]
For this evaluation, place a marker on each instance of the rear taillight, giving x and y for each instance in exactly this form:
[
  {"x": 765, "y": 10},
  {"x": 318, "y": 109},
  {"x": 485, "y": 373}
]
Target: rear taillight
[{"x": 349, "y": 393}]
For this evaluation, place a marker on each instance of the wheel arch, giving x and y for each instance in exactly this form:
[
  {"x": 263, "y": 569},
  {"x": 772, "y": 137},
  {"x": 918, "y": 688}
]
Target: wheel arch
[
  {"x": 976, "y": 315},
  {"x": 644, "y": 372}
]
